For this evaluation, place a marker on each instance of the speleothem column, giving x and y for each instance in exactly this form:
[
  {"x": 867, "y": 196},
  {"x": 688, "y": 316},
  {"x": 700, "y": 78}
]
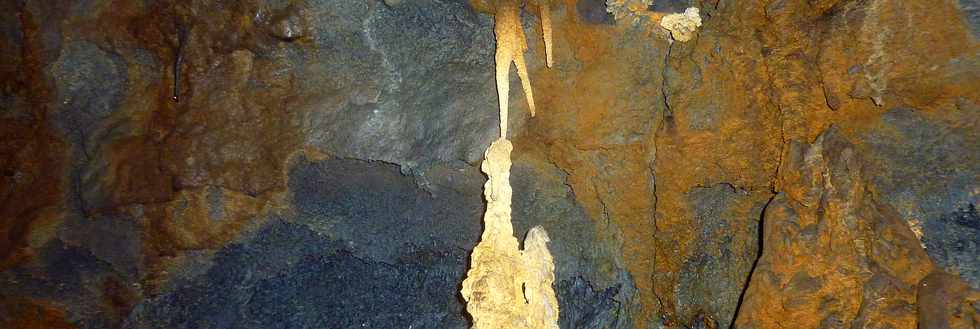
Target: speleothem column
[{"x": 505, "y": 286}]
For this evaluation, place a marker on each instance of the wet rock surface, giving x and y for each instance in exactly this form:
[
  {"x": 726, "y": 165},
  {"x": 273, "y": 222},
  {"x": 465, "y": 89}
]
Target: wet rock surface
[
  {"x": 952, "y": 242},
  {"x": 290, "y": 164}
]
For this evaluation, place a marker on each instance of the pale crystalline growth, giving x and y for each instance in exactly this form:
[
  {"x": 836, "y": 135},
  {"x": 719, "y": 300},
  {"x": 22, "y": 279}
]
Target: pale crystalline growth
[
  {"x": 916, "y": 226},
  {"x": 546, "y": 31},
  {"x": 540, "y": 275},
  {"x": 511, "y": 45},
  {"x": 634, "y": 11},
  {"x": 505, "y": 287},
  {"x": 492, "y": 288},
  {"x": 682, "y": 26}
]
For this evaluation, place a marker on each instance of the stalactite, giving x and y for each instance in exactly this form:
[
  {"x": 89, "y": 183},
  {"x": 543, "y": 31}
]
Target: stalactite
[
  {"x": 544, "y": 8},
  {"x": 511, "y": 45}
]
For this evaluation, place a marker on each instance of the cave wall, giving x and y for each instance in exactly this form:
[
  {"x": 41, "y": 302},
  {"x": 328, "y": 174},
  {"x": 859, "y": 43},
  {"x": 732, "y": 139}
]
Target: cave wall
[{"x": 255, "y": 164}]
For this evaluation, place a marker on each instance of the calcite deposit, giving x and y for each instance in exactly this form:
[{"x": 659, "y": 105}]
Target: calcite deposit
[
  {"x": 511, "y": 45},
  {"x": 317, "y": 164},
  {"x": 682, "y": 26},
  {"x": 507, "y": 287},
  {"x": 498, "y": 266}
]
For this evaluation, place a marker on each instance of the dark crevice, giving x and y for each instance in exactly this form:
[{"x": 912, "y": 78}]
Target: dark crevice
[
  {"x": 602, "y": 203},
  {"x": 731, "y": 187},
  {"x": 666, "y": 118},
  {"x": 664, "y": 88},
  {"x": 761, "y": 233}
]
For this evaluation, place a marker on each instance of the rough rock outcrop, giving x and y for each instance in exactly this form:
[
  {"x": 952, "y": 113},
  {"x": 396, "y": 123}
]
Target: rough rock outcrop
[
  {"x": 832, "y": 254},
  {"x": 164, "y": 163}
]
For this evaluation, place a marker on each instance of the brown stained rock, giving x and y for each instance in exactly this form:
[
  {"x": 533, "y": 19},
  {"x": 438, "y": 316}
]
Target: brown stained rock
[
  {"x": 833, "y": 255},
  {"x": 215, "y": 140},
  {"x": 882, "y": 54},
  {"x": 208, "y": 129},
  {"x": 638, "y": 132},
  {"x": 713, "y": 132},
  {"x": 31, "y": 153},
  {"x": 118, "y": 299},
  {"x": 945, "y": 301},
  {"x": 30, "y": 314},
  {"x": 206, "y": 218},
  {"x": 792, "y": 63},
  {"x": 598, "y": 130},
  {"x": 914, "y": 63},
  {"x": 161, "y": 153}
]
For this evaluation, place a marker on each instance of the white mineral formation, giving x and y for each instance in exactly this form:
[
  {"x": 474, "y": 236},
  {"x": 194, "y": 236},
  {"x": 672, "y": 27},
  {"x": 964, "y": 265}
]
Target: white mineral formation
[
  {"x": 682, "y": 26},
  {"x": 546, "y": 31},
  {"x": 636, "y": 12},
  {"x": 506, "y": 287},
  {"x": 492, "y": 288},
  {"x": 542, "y": 305},
  {"x": 511, "y": 45}
]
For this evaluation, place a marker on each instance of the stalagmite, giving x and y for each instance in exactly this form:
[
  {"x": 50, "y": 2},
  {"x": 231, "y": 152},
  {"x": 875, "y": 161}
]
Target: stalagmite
[
  {"x": 492, "y": 288},
  {"x": 505, "y": 286},
  {"x": 540, "y": 266}
]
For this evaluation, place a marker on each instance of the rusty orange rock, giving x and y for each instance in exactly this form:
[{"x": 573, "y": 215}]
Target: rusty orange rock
[
  {"x": 831, "y": 252},
  {"x": 29, "y": 314}
]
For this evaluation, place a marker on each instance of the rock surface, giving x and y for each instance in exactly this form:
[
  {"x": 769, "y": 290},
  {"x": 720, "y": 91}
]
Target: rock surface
[
  {"x": 315, "y": 163},
  {"x": 832, "y": 254}
]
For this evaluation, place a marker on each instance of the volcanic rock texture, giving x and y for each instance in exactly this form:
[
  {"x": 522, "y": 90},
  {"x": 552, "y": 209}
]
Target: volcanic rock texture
[{"x": 315, "y": 163}]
